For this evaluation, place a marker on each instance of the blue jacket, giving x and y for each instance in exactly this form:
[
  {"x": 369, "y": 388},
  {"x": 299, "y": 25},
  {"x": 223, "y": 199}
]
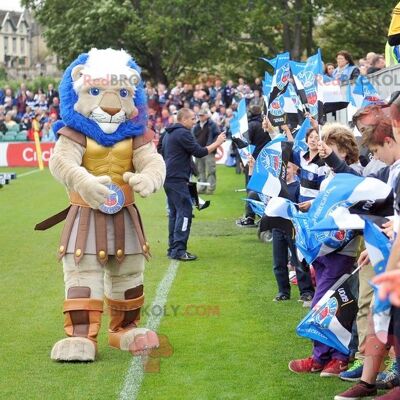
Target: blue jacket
[{"x": 178, "y": 147}]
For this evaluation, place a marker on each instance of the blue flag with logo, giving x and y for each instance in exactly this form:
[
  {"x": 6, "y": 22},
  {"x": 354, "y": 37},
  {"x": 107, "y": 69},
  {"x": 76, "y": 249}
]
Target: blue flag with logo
[
  {"x": 364, "y": 88},
  {"x": 300, "y": 138},
  {"x": 281, "y": 77},
  {"x": 344, "y": 190},
  {"x": 331, "y": 320},
  {"x": 378, "y": 246},
  {"x": 269, "y": 175}
]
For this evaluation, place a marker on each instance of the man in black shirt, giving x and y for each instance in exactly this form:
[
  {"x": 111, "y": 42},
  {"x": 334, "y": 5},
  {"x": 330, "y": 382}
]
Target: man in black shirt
[{"x": 178, "y": 147}]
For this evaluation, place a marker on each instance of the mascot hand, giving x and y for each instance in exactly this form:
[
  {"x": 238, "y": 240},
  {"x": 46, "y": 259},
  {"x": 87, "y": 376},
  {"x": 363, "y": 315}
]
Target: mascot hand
[
  {"x": 140, "y": 183},
  {"x": 93, "y": 191}
]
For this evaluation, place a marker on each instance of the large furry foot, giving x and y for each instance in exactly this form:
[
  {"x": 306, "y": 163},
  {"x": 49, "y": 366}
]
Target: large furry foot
[
  {"x": 74, "y": 349},
  {"x": 138, "y": 341}
]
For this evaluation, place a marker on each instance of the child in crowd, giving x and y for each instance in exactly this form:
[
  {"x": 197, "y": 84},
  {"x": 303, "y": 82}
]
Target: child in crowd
[
  {"x": 282, "y": 241},
  {"x": 329, "y": 268}
]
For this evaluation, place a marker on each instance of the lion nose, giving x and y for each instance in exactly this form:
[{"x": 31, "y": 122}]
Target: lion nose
[
  {"x": 110, "y": 103},
  {"x": 111, "y": 110}
]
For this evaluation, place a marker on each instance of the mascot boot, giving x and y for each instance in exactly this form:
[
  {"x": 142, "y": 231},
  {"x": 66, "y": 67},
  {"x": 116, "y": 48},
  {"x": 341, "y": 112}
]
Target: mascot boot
[
  {"x": 124, "y": 318},
  {"x": 82, "y": 320}
]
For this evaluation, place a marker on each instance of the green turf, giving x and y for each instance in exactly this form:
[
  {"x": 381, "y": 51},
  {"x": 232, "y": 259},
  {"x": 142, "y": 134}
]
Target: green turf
[{"x": 239, "y": 351}]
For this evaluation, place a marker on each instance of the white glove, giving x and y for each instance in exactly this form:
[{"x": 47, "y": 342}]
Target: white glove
[
  {"x": 140, "y": 183},
  {"x": 93, "y": 191}
]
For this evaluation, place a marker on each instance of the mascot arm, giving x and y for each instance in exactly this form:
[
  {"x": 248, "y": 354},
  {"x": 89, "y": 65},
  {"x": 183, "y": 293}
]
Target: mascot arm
[
  {"x": 150, "y": 171},
  {"x": 65, "y": 166}
]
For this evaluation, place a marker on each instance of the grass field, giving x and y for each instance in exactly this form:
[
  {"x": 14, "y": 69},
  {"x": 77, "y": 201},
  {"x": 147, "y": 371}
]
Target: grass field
[{"x": 229, "y": 340}]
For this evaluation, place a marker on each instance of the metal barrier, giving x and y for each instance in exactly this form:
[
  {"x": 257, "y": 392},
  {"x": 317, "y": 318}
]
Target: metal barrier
[{"x": 385, "y": 82}]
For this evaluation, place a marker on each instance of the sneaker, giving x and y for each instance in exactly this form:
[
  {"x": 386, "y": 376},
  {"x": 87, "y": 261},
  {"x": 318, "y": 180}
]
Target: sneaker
[
  {"x": 305, "y": 365},
  {"x": 246, "y": 222},
  {"x": 305, "y": 297},
  {"x": 307, "y": 304},
  {"x": 392, "y": 395},
  {"x": 389, "y": 378},
  {"x": 334, "y": 368},
  {"x": 356, "y": 392},
  {"x": 354, "y": 373},
  {"x": 281, "y": 297},
  {"x": 389, "y": 370},
  {"x": 186, "y": 257}
]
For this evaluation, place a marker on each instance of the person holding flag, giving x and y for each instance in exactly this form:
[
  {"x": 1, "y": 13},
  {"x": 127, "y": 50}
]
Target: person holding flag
[
  {"x": 383, "y": 140},
  {"x": 331, "y": 267}
]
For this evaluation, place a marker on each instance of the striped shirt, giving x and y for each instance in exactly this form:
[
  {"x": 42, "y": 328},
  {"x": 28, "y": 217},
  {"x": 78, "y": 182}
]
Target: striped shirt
[{"x": 312, "y": 173}]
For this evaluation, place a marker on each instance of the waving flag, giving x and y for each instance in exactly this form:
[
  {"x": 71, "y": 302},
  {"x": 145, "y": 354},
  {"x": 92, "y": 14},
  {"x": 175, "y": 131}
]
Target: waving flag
[
  {"x": 256, "y": 206},
  {"x": 331, "y": 319},
  {"x": 281, "y": 76},
  {"x": 276, "y": 111},
  {"x": 344, "y": 190},
  {"x": 245, "y": 153},
  {"x": 266, "y": 87},
  {"x": 269, "y": 175},
  {"x": 300, "y": 138},
  {"x": 239, "y": 125},
  {"x": 378, "y": 247},
  {"x": 364, "y": 88},
  {"x": 341, "y": 219}
]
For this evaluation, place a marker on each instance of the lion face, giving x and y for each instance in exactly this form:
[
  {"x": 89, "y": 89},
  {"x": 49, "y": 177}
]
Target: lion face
[{"x": 108, "y": 101}]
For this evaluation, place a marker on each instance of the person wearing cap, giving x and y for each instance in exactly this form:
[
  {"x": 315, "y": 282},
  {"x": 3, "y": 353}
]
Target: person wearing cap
[
  {"x": 206, "y": 132},
  {"x": 178, "y": 147}
]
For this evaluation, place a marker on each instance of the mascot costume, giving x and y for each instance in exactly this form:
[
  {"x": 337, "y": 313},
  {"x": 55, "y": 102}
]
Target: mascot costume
[{"x": 103, "y": 154}]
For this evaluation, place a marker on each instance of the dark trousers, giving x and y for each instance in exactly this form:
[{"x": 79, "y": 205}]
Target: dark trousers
[
  {"x": 180, "y": 217},
  {"x": 328, "y": 270},
  {"x": 281, "y": 242}
]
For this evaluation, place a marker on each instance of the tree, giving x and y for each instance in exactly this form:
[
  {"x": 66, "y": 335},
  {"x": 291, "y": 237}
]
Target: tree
[
  {"x": 165, "y": 37},
  {"x": 356, "y": 26}
]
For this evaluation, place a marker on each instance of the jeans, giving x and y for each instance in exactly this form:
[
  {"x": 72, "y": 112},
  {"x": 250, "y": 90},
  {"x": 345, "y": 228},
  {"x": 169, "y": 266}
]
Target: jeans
[
  {"x": 180, "y": 217},
  {"x": 281, "y": 242}
]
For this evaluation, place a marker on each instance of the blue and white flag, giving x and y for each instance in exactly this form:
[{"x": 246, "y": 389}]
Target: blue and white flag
[
  {"x": 343, "y": 190},
  {"x": 330, "y": 321},
  {"x": 245, "y": 153},
  {"x": 378, "y": 247},
  {"x": 300, "y": 138},
  {"x": 364, "y": 88},
  {"x": 266, "y": 88},
  {"x": 281, "y": 77},
  {"x": 239, "y": 124},
  {"x": 256, "y": 206},
  {"x": 269, "y": 175},
  {"x": 276, "y": 111}
]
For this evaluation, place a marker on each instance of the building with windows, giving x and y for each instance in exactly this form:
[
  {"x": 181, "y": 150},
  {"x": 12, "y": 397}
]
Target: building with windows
[{"x": 23, "y": 52}]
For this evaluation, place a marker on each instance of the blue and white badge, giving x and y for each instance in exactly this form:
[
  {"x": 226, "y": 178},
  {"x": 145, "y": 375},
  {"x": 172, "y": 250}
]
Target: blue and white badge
[{"x": 115, "y": 201}]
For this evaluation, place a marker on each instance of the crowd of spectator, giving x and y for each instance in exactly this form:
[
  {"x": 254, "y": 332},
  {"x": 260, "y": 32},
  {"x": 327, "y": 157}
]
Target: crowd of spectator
[{"x": 23, "y": 111}]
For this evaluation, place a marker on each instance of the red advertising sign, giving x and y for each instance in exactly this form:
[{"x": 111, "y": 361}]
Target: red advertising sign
[{"x": 24, "y": 154}]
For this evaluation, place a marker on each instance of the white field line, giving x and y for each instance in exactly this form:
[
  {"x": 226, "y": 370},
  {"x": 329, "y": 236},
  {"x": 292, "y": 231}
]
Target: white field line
[
  {"x": 27, "y": 173},
  {"x": 135, "y": 374}
]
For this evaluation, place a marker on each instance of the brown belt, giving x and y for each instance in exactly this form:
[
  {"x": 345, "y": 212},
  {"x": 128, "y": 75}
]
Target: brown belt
[{"x": 76, "y": 200}]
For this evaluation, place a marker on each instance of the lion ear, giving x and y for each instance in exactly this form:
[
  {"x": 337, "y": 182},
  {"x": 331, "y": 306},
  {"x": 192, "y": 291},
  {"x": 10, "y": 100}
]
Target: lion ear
[
  {"x": 77, "y": 72},
  {"x": 135, "y": 77}
]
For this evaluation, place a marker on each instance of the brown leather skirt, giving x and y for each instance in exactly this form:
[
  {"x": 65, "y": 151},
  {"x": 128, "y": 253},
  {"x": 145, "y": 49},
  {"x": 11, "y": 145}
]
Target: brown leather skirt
[{"x": 88, "y": 231}]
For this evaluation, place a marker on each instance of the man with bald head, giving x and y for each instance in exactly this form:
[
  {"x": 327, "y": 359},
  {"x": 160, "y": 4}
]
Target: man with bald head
[{"x": 178, "y": 147}]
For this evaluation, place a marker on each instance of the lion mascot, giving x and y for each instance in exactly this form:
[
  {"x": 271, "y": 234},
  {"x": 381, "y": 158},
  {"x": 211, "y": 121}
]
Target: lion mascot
[{"x": 103, "y": 154}]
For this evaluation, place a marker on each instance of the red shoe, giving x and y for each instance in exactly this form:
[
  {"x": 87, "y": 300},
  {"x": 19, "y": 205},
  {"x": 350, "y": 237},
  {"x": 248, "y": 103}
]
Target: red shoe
[
  {"x": 334, "y": 368},
  {"x": 305, "y": 365},
  {"x": 394, "y": 394}
]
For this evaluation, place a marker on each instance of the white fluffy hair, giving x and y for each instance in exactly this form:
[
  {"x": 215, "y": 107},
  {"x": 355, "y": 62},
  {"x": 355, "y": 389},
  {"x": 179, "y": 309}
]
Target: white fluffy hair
[{"x": 106, "y": 64}]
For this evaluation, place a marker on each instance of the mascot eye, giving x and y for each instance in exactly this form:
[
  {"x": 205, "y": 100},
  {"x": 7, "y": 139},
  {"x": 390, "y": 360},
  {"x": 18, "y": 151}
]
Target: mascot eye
[
  {"x": 94, "y": 91},
  {"x": 123, "y": 93}
]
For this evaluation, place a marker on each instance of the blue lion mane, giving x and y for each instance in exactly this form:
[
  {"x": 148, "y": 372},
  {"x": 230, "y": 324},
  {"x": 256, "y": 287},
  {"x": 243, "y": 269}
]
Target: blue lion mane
[{"x": 77, "y": 121}]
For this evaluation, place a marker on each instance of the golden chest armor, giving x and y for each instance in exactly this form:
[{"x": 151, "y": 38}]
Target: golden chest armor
[{"x": 112, "y": 161}]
